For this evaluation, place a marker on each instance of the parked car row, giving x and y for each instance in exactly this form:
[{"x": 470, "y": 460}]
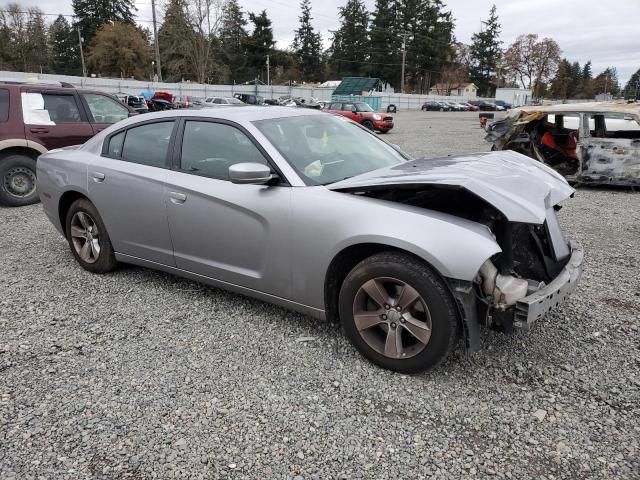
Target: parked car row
[{"x": 468, "y": 106}]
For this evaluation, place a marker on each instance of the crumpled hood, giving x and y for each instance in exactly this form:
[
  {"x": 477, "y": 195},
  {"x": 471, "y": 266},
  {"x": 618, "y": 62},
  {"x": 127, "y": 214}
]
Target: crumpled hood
[{"x": 518, "y": 186}]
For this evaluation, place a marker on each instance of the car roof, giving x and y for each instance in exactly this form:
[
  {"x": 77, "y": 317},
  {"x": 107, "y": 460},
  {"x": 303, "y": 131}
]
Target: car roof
[
  {"x": 244, "y": 114},
  {"x": 587, "y": 107}
]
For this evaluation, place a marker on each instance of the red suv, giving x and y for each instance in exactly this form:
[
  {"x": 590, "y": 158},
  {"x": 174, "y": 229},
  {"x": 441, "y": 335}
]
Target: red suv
[
  {"x": 362, "y": 113},
  {"x": 35, "y": 118}
]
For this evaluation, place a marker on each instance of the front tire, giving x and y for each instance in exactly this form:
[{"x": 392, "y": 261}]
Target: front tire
[
  {"x": 398, "y": 313},
  {"x": 18, "y": 181},
  {"x": 88, "y": 238},
  {"x": 368, "y": 124}
]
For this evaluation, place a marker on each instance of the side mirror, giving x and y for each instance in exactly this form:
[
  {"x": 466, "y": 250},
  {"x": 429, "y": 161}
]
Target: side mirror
[{"x": 250, "y": 173}]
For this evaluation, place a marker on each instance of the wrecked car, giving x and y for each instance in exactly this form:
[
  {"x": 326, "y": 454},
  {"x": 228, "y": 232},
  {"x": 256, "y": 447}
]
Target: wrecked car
[
  {"x": 590, "y": 143},
  {"x": 315, "y": 213}
]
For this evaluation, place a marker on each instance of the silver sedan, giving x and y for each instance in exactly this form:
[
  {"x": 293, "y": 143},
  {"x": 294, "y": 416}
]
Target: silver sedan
[{"x": 315, "y": 213}]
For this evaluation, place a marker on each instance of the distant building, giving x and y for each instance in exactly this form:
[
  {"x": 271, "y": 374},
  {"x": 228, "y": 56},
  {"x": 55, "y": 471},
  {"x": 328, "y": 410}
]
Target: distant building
[
  {"x": 515, "y": 96},
  {"x": 468, "y": 90}
]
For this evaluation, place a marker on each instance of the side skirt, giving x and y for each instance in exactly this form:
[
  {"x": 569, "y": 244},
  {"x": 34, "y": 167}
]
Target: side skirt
[{"x": 265, "y": 297}]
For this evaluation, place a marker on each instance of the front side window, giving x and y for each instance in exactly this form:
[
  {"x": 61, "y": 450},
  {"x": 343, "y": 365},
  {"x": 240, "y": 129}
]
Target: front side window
[
  {"x": 324, "y": 149},
  {"x": 348, "y": 107},
  {"x": 147, "y": 144},
  {"x": 105, "y": 109},
  {"x": 210, "y": 148},
  {"x": 4, "y": 105},
  {"x": 49, "y": 108}
]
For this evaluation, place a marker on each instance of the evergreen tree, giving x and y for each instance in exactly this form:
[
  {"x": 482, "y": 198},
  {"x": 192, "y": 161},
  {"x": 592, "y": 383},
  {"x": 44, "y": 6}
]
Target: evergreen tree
[
  {"x": 93, "y": 14},
  {"x": 172, "y": 40},
  {"x": 350, "y": 42},
  {"x": 307, "y": 45},
  {"x": 607, "y": 82},
  {"x": 233, "y": 41},
  {"x": 64, "y": 57},
  {"x": 36, "y": 40},
  {"x": 432, "y": 45},
  {"x": 559, "y": 87},
  {"x": 632, "y": 89},
  {"x": 384, "y": 43},
  {"x": 259, "y": 45},
  {"x": 585, "y": 89},
  {"x": 485, "y": 54},
  {"x": 575, "y": 79}
]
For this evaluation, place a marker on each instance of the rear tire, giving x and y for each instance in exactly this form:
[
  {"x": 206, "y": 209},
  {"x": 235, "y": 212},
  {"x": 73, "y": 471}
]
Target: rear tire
[
  {"x": 88, "y": 238},
  {"x": 18, "y": 181},
  {"x": 427, "y": 325}
]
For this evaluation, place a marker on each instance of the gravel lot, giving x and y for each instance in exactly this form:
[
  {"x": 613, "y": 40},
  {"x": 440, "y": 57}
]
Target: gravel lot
[{"x": 141, "y": 375}]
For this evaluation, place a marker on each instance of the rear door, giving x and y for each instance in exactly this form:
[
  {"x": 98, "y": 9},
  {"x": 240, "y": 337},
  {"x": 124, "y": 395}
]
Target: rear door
[
  {"x": 103, "y": 111},
  {"x": 609, "y": 149},
  {"x": 54, "y": 118},
  {"x": 127, "y": 183}
]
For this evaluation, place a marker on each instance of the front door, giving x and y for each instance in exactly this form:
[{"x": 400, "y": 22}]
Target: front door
[
  {"x": 239, "y": 234},
  {"x": 54, "y": 118},
  {"x": 127, "y": 185}
]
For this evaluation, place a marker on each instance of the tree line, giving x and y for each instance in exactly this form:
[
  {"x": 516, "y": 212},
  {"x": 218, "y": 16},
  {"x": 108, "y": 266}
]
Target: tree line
[{"x": 216, "y": 41}]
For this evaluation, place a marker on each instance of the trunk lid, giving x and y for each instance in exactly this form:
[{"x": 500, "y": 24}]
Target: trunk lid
[{"x": 521, "y": 188}]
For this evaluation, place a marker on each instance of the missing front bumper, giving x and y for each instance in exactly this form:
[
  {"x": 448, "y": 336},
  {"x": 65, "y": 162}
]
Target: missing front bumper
[{"x": 535, "y": 306}]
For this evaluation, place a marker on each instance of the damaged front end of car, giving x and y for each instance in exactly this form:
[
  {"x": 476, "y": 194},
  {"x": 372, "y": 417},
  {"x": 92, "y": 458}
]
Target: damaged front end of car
[{"x": 536, "y": 268}]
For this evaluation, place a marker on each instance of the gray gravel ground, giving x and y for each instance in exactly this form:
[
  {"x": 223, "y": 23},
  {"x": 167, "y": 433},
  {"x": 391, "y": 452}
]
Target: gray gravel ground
[{"x": 141, "y": 375}]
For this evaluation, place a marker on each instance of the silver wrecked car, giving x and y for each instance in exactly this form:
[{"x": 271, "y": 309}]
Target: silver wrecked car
[{"x": 315, "y": 213}]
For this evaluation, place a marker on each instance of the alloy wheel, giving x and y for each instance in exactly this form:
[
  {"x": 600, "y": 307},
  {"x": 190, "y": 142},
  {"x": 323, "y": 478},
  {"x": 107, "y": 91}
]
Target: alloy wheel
[
  {"x": 19, "y": 182},
  {"x": 85, "y": 237},
  {"x": 392, "y": 317}
]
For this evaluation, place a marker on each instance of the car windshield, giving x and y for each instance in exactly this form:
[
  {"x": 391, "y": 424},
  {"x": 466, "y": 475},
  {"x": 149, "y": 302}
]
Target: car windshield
[
  {"x": 324, "y": 149},
  {"x": 364, "y": 107}
]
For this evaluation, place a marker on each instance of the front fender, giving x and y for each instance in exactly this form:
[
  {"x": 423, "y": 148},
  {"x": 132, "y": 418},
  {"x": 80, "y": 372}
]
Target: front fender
[{"x": 455, "y": 247}]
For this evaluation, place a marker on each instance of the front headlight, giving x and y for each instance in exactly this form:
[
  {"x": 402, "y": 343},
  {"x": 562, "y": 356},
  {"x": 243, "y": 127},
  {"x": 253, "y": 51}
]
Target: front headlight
[{"x": 377, "y": 117}]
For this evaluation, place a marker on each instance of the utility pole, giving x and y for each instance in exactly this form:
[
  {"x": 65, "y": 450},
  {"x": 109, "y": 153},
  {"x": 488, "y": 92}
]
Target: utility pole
[
  {"x": 155, "y": 40},
  {"x": 268, "y": 82},
  {"x": 404, "y": 56},
  {"x": 84, "y": 69}
]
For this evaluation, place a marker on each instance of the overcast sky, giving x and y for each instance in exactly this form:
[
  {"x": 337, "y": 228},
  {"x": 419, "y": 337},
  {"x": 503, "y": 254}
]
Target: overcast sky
[{"x": 605, "y": 32}]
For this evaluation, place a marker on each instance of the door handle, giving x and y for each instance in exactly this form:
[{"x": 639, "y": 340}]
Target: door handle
[
  {"x": 177, "y": 197},
  {"x": 39, "y": 130},
  {"x": 98, "y": 177}
]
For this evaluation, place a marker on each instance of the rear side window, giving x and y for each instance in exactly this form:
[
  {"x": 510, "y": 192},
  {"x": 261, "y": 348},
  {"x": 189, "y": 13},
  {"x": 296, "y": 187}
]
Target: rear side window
[
  {"x": 4, "y": 105},
  {"x": 147, "y": 144},
  {"x": 115, "y": 145},
  {"x": 49, "y": 109}
]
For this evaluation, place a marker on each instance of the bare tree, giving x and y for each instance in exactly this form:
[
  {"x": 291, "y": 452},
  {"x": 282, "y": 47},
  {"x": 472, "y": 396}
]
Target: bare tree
[
  {"x": 205, "y": 19},
  {"x": 532, "y": 61}
]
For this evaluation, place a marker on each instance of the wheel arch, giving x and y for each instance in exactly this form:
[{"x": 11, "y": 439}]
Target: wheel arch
[
  {"x": 65, "y": 202},
  {"x": 19, "y": 149},
  {"x": 347, "y": 258}
]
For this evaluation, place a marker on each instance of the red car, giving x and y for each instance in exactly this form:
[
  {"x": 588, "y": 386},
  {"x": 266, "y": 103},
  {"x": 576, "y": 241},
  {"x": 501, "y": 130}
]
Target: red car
[
  {"x": 472, "y": 107},
  {"x": 35, "y": 118},
  {"x": 362, "y": 113}
]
